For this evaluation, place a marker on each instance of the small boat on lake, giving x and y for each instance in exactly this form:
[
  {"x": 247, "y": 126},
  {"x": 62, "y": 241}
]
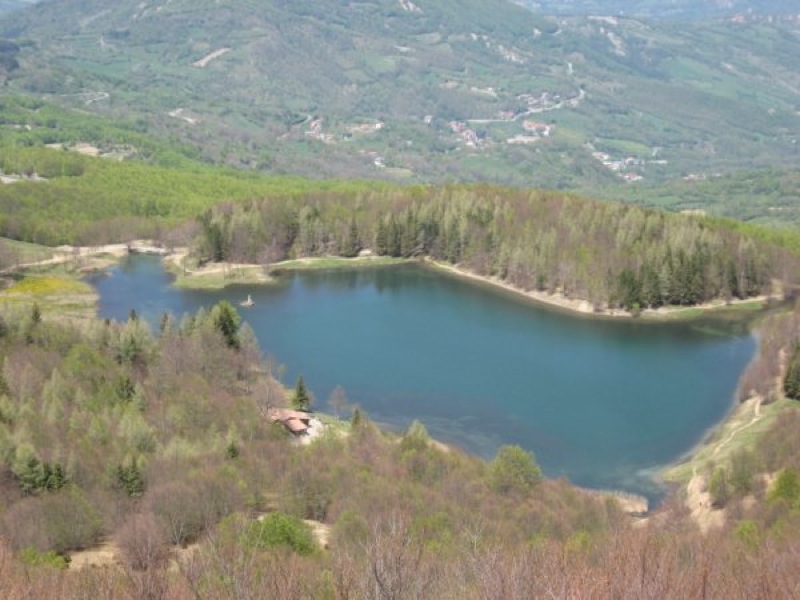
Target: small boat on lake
[{"x": 247, "y": 303}]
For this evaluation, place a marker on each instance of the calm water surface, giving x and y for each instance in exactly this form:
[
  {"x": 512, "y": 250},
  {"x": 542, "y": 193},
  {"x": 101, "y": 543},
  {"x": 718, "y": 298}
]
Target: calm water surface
[{"x": 604, "y": 403}]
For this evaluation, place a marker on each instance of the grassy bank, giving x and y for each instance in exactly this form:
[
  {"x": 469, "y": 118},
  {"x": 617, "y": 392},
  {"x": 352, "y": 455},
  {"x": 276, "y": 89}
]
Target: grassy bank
[
  {"x": 335, "y": 262},
  {"x": 58, "y": 292},
  {"x": 747, "y": 423},
  {"x": 189, "y": 275}
]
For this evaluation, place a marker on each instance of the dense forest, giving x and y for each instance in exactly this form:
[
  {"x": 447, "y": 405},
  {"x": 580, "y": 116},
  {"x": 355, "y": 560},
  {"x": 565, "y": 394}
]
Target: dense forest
[
  {"x": 610, "y": 254},
  {"x": 157, "y": 444}
]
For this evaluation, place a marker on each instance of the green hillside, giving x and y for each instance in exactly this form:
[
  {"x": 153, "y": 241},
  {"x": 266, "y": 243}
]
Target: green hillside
[{"x": 427, "y": 91}]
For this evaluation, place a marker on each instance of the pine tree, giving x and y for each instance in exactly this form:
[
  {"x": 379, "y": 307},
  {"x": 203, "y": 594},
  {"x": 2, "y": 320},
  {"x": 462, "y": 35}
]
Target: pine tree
[
  {"x": 356, "y": 419},
  {"x": 381, "y": 241},
  {"x": 394, "y": 236},
  {"x": 130, "y": 479},
  {"x": 57, "y": 478},
  {"x": 227, "y": 321},
  {"x": 791, "y": 381},
  {"x": 352, "y": 245},
  {"x": 651, "y": 287},
  {"x": 301, "y": 399},
  {"x": 232, "y": 450}
]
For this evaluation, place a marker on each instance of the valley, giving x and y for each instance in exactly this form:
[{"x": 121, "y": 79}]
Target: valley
[
  {"x": 399, "y": 299},
  {"x": 451, "y": 103}
]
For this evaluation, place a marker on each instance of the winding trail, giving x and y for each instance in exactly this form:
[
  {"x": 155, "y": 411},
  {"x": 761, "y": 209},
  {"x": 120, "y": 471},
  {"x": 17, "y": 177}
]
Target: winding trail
[{"x": 757, "y": 400}]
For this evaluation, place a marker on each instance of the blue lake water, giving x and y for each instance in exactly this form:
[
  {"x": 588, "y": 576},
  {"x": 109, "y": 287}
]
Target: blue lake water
[{"x": 601, "y": 402}]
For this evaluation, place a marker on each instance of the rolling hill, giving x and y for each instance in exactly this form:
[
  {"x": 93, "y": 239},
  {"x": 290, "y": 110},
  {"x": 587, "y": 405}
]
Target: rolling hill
[{"x": 432, "y": 90}]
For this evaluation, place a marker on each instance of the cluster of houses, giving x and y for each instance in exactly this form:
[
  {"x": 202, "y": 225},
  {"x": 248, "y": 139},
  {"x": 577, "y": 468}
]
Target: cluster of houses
[
  {"x": 534, "y": 131},
  {"x": 315, "y": 132},
  {"x": 469, "y": 136},
  {"x": 626, "y": 167}
]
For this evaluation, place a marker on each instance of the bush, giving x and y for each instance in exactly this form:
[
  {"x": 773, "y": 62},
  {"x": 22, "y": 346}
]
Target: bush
[
  {"x": 718, "y": 488},
  {"x": 179, "y": 510},
  {"x": 71, "y": 520},
  {"x": 786, "y": 488},
  {"x": 34, "y": 558},
  {"x": 280, "y": 530},
  {"x": 142, "y": 543},
  {"x": 514, "y": 470},
  {"x": 743, "y": 469}
]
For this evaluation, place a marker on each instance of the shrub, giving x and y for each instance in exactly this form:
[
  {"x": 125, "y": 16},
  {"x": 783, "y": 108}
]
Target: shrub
[
  {"x": 786, "y": 488},
  {"x": 142, "y": 543},
  {"x": 179, "y": 510},
  {"x": 34, "y": 558},
  {"x": 718, "y": 488},
  {"x": 514, "y": 470},
  {"x": 280, "y": 530}
]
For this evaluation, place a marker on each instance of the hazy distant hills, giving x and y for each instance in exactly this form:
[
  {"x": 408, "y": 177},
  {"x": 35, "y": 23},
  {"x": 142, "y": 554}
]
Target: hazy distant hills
[
  {"x": 11, "y": 5},
  {"x": 659, "y": 9},
  {"x": 425, "y": 89}
]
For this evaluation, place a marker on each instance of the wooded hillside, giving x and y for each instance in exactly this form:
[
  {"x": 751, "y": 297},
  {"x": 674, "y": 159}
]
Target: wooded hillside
[
  {"x": 609, "y": 254},
  {"x": 156, "y": 442}
]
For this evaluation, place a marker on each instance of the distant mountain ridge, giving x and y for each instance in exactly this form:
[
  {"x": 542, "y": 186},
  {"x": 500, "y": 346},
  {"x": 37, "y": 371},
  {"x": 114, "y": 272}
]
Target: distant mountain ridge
[
  {"x": 660, "y": 9},
  {"x": 424, "y": 89},
  {"x": 7, "y": 6}
]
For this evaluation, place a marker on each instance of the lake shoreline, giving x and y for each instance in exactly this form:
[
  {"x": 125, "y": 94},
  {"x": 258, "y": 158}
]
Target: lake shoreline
[
  {"x": 584, "y": 308},
  {"x": 114, "y": 253},
  {"x": 221, "y": 275},
  {"x": 224, "y": 274}
]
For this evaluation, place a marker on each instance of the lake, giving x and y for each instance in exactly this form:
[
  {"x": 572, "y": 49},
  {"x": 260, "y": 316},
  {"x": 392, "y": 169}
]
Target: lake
[{"x": 602, "y": 402}]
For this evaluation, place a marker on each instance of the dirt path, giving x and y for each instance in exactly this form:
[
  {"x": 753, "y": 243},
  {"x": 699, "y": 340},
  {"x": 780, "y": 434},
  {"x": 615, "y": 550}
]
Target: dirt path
[
  {"x": 756, "y": 402},
  {"x": 698, "y": 499}
]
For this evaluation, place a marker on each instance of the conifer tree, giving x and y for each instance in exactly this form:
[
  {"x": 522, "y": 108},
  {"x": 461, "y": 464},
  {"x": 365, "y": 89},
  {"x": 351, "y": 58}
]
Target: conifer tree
[
  {"x": 227, "y": 321},
  {"x": 381, "y": 241},
  {"x": 301, "y": 399},
  {"x": 791, "y": 381},
  {"x": 352, "y": 245}
]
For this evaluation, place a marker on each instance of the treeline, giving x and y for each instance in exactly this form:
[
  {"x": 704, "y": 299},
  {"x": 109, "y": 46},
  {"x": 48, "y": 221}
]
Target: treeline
[
  {"x": 89, "y": 201},
  {"x": 610, "y": 254}
]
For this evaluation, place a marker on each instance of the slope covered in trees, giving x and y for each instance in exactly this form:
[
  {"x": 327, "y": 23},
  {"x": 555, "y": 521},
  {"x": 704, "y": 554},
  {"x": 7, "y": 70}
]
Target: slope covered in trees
[
  {"x": 107, "y": 430},
  {"x": 609, "y": 254},
  {"x": 110, "y": 431},
  {"x": 428, "y": 91}
]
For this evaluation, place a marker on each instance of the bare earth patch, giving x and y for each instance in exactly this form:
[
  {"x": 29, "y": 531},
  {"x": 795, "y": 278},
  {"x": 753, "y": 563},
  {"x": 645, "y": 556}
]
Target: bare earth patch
[
  {"x": 104, "y": 555},
  {"x": 203, "y": 62}
]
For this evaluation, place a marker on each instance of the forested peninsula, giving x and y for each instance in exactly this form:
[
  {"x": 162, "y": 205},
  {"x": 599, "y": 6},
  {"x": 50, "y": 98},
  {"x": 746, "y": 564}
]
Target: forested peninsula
[{"x": 611, "y": 255}]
